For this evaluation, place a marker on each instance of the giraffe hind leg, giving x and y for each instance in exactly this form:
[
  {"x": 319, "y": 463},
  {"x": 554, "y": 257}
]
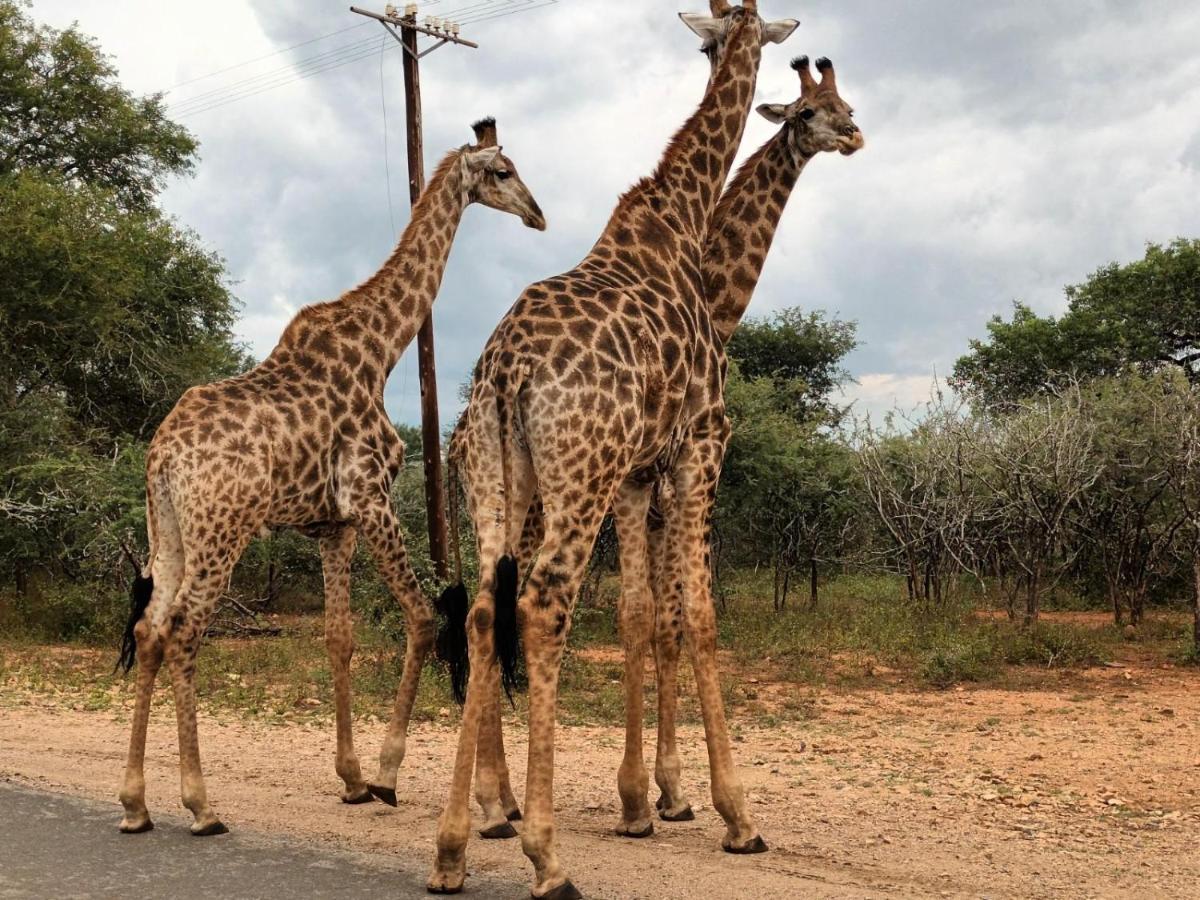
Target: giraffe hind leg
[
  {"x": 381, "y": 531},
  {"x": 146, "y": 642},
  {"x": 672, "y": 803},
  {"x": 337, "y": 550}
]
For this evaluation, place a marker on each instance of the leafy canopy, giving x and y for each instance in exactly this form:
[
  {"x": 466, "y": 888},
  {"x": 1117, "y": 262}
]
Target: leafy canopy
[
  {"x": 63, "y": 113},
  {"x": 1143, "y": 316}
]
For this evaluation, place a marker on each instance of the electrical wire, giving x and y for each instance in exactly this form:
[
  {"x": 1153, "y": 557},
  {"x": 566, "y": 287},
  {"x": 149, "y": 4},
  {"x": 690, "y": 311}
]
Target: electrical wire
[
  {"x": 333, "y": 58},
  {"x": 268, "y": 55},
  {"x": 337, "y": 64},
  {"x": 300, "y": 67},
  {"x": 387, "y": 167}
]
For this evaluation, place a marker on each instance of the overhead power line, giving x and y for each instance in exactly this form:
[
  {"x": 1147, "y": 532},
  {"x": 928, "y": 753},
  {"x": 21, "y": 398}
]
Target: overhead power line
[
  {"x": 326, "y": 60},
  {"x": 265, "y": 56}
]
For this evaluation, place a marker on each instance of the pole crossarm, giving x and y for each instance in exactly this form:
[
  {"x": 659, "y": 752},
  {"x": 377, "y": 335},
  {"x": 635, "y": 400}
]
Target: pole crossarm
[{"x": 413, "y": 25}]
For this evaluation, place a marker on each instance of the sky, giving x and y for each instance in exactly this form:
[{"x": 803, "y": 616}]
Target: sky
[{"x": 1011, "y": 149}]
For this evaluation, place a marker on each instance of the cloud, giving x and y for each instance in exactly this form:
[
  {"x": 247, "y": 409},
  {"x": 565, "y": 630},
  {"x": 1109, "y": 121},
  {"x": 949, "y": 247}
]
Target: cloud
[{"x": 1011, "y": 149}]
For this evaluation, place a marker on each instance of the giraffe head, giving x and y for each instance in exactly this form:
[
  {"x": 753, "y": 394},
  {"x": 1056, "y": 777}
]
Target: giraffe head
[
  {"x": 489, "y": 177},
  {"x": 820, "y": 121},
  {"x": 715, "y": 28}
]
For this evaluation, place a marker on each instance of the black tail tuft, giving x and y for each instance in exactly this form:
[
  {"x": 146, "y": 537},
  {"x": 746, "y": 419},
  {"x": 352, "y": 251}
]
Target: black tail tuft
[
  {"x": 139, "y": 599},
  {"x": 451, "y": 645},
  {"x": 508, "y": 634}
]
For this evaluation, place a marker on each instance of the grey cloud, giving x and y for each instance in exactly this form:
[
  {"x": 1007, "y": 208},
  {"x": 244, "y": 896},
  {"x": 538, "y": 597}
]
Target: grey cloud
[{"x": 1011, "y": 149}]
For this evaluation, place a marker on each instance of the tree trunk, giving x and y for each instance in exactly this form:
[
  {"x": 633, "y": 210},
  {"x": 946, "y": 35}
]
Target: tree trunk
[
  {"x": 1137, "y": 604},
  {"x": 1196, "y": 602},
  {"x": 778, "y": 598},
  {"x": 22, "y": 579},
  {"x": 1114, "y": 595},
  {"x": 1032, "y": 597},
  {"x": 787, "y": 580},
  {"x": 812, "y": 582},
  {"x": 272, "y": 593}
]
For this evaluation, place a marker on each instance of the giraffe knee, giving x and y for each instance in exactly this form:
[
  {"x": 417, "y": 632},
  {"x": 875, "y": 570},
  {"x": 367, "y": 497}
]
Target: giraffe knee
[{"x": 422, "y": 631}]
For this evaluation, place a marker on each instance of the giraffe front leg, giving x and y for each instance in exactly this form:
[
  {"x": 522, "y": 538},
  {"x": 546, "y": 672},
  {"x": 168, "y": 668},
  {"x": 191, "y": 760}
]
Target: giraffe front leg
[
  {"x": 382, "y": 534},
  {"x": 508, "y": 800},
  {"x": 688, "y": 561},
  {"x": 636, "y": 625},
  {"x": 337, "y": 551}
]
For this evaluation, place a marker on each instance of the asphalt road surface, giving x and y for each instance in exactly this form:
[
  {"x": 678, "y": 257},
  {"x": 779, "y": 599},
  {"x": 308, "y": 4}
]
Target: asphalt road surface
[{"x": 61, "y": 847}]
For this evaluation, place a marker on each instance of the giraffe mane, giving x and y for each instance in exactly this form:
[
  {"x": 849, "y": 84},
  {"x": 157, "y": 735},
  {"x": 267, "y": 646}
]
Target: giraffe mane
[
  {"x": 656, "y": 180},
  {"x": 745, "y": 173}
]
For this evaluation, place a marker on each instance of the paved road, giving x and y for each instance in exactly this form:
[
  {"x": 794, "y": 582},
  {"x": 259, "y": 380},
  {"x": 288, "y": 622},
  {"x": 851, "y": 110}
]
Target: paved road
[{"x": 61, "y": 847}]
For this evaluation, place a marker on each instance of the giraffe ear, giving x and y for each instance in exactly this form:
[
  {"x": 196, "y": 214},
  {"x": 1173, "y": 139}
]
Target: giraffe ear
[
  {"x": 775, "y": 113},
  {"x": 706, "y": 27},
  {"x": 478, "y": 160},
  {"x": 778, "y": 32}
]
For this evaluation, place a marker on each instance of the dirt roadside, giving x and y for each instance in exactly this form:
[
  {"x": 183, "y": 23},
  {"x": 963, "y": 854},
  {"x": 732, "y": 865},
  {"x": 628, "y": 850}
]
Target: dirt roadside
[{"x": 1087, "y": 786}]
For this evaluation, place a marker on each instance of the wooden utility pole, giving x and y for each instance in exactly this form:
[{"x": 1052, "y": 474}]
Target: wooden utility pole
[{"x": 431, "y": 438}]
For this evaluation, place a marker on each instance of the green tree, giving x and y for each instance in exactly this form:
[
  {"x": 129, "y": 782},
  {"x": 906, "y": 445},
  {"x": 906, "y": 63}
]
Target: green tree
[
  {"x": 802, "y": 354},
  {"x": 63, "y": 113},
  {"x": 1144, "y": 315},
  {"x": 116, "y": 312},
  {"x": 786, "y": 495},
  {"x": 108, "y": 309}
]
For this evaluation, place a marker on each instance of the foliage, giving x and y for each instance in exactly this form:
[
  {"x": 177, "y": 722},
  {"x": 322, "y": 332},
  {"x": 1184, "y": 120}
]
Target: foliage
[
  {"x": 786, "y": 488},
  {"x": 64, "y": 115},
  {"x": 801, "y": 353},
  {"x": 114, "y": 312},
  {"x": 1144, "y": 315},
  {"x": 108, "y": 308}
]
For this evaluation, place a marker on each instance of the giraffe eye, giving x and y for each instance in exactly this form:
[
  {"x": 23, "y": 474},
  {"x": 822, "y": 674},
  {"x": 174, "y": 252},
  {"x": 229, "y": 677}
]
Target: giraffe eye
[
  {"x": 504, "y": 175},
  {"x": 806, "y": 114}
]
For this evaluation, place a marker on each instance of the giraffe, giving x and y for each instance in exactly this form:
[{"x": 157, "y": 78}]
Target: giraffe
[
  {"x": 819, "y": 121},
  {"x": 743, "y": 229},
  {"x": 595, "y": 383},
  {"x": 301, "y": 440}
]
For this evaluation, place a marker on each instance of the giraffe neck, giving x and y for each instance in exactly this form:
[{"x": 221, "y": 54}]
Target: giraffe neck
[
  {"x": 743, "y": 228},
  {"x": 395, "y": 301},
  {"x": 683, "y": 191}
]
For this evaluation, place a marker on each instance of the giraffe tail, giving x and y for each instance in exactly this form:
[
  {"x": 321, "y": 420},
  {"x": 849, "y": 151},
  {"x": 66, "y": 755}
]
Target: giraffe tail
[
  {"x": 453, "y": 604},
  {"x": 141, "y": 591},
  {"x": 506, "y": 628},
  {"x": 139, "y": 598}
]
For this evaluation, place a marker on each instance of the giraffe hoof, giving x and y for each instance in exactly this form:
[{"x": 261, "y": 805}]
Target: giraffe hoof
[
  {"x": 498, "y": 832},
  {"x": 363, "y": 796},
  {"x": 136, "y": 827},
  {"x": 565, "y": 891},
  {"x": 626, "y": 831},
  {"x": 683, "y": 815},
  {"x": 212, "y": 828},
  {"x": 756, "y": 845},
  {"x": 442, "y": 884},
  {"x": 387, "y": 795},
  {"x": 514, "y": 816}
]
